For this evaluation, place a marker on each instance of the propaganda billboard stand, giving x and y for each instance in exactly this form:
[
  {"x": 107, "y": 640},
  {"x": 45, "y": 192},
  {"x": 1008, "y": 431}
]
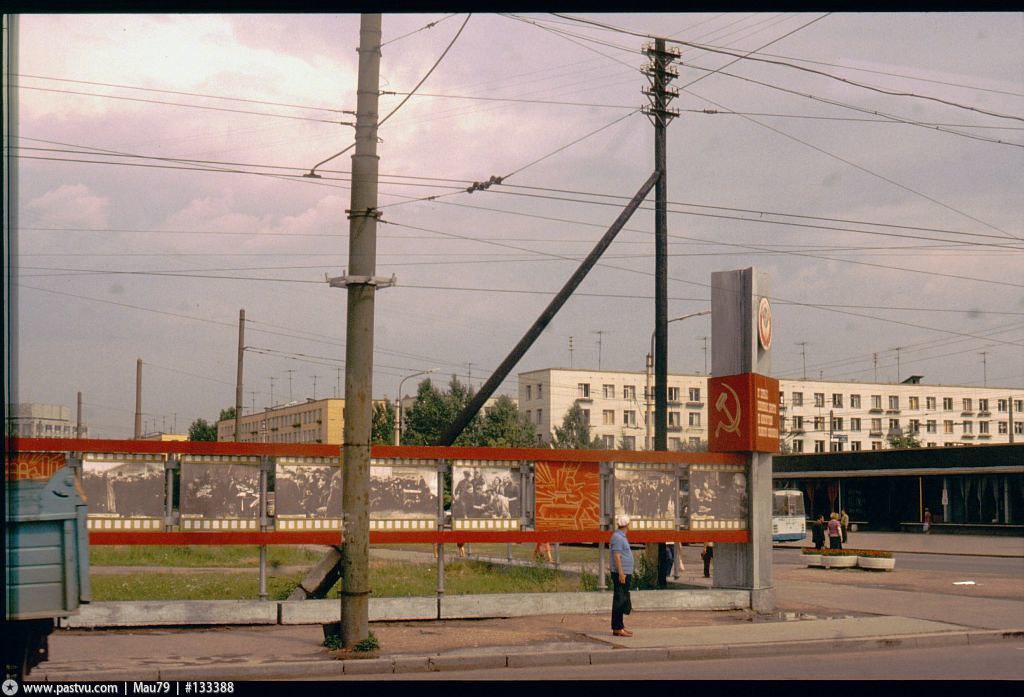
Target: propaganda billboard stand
[{"x": 743, "y": 417}]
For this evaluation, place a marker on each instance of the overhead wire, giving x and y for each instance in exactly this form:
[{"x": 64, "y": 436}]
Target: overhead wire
[
  {"x": 712, "y": 49},
  {"x": 312, "y": 171}
]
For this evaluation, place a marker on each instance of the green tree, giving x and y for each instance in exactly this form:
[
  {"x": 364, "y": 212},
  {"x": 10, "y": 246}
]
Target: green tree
[
  {"x": 434, "y": 411},
  {"x": 201, "y": 430},
  {"x": 904, "y": 441},
  {"x": 575, "y": 432},
  {"x": 504, "y": 426},
  {"x": 227, "y": 414},
  {"x": 383, "y": 430}
]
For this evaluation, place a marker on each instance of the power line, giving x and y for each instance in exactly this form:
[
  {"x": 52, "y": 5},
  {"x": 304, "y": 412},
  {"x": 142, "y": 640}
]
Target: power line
[
  {"x": 181, "y": 104},
  {"x": 188, "y": 94},
  {"x": 312, "y": 172},
  {"x": 864, "y": 169},
  {"x": 711, "y": 49}
]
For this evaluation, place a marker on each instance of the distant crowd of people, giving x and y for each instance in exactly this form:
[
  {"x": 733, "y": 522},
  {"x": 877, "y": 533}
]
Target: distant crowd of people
[
  {"x": 311, "y": 491},
  {"x": 402, "y": 494},
  {"x": 225, "y": 492},
  {"x": 645, "y": 498}
]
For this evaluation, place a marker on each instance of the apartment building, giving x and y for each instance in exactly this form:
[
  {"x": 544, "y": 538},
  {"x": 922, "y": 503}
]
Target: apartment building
[
  {"x": 816, "y": 415},
  {"x": 312, "y": 421},
  {"x": 31, "y": 420}
]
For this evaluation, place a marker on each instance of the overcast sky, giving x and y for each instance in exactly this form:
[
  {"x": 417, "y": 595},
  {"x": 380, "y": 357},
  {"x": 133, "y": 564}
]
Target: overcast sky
[{"x": 884, "y": 220}]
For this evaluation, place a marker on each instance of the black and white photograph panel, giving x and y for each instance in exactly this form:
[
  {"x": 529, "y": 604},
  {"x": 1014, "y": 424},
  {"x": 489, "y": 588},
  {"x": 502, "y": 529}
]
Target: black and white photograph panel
[
  {"x": 307, "y": 490},
  {"x": 123, "y": 489},
  {"x": 647, "y": 494},
  {"x": 220, "y": 495},
  {"x": 484, "y": 492},
  {"x": 718, "y": 497},
  {"x": 398, "y": 492}
]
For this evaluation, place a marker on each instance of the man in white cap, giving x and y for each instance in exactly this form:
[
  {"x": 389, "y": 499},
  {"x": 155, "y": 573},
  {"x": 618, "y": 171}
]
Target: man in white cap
[{"x": 622, "y": 573}]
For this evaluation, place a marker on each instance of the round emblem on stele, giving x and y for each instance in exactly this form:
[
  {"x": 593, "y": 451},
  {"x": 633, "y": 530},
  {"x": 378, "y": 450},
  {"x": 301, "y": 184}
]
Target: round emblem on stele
[{"x": 764, "y": 324}]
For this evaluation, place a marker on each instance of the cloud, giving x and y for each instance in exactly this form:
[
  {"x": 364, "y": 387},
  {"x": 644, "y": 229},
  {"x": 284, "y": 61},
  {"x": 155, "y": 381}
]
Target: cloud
[{"x": 69, "y": 205}]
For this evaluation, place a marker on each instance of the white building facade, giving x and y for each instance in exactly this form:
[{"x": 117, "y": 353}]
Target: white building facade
[
  {"x": 816, "y": 415},
  {"x": 31, "y": 420}
]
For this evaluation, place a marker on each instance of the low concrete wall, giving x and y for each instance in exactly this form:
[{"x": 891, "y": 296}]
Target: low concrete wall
[
  {"x": 381, "y": 610},
  {"x": 182, "y": 612},
  {"x": 242, "y": 612}
]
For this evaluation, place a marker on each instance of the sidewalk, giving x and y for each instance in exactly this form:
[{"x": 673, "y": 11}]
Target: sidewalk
[
  {"x": 919, "y": 543},
  {"x": 817, "y": 611}
]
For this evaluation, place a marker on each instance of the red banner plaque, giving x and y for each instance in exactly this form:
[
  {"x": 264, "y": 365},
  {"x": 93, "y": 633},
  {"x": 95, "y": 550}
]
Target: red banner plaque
[
  {"x": 743, "y": 413},
  {"x": 568, "y": 496}
]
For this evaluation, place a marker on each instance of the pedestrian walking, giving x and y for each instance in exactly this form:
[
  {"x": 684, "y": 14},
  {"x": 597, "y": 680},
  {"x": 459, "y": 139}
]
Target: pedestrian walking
[
  {"x": 622, "y": 563},
  {"x": 927, "y": 521},
  {"x": 844, "y": 523},
  {"x": 708, "y": 556},
  {"x": 818, "y": 532},
  {"x": 678, "y": 567},
  {"x": 835, "y": 532}
]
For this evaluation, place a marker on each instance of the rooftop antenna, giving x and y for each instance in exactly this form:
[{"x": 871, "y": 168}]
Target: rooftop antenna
[
  {"x": 803, "y": 354},
  {"x": 600, "y": 333},
  {"x": 570, "y": 352}
]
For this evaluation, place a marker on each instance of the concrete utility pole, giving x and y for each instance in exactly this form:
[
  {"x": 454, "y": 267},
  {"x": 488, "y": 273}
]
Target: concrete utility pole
[
  {"x": 984, "y": 367},
  {"x": 803, "y": 356},
  {"x": 138, "y": 399},
  {"x": 600, "y": 334},
  {"x": 78, "y": 417},
  {"x": 290, "y": 371},
  {"x": 361, "y": 288},
  {"x": 238, "y": 378},
  {"x": 660, "y": 72}
]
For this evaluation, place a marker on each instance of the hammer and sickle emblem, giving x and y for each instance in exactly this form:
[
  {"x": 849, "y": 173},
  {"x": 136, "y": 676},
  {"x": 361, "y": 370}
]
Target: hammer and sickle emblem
[{"x": 731, "y": 422}]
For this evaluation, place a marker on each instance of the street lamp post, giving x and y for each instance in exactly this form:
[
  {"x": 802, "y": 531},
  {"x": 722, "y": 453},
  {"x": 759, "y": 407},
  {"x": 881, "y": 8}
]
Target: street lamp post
[
  {"x": 398, "y": 404},
  {"x": 650, "y": 368}
]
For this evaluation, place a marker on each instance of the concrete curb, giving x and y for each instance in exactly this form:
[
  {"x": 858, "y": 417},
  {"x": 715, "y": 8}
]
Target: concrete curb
[{"x": 500, "y": 659}]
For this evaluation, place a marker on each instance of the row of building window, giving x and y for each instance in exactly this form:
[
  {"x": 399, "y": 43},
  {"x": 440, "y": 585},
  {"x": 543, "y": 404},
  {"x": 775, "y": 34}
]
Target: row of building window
[
  {"x": 610, "y": 391},
  {"x": 913, "y": 403},
  {"x": 51, "y": 430},
  {"x": 629, "y": 417},
  {"x": 914, "y": 425}
]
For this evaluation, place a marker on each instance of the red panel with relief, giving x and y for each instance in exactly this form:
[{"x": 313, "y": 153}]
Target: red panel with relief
[{"x": 743, "y": 413}]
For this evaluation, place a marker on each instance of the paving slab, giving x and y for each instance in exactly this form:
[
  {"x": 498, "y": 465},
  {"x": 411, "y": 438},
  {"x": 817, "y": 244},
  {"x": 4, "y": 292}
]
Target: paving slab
[{"x": 771, "y": 632}]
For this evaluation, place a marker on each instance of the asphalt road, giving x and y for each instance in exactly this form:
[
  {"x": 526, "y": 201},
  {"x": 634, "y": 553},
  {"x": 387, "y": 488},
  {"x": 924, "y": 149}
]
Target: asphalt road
[
  {"x": 983, "y": 662},
  {"x": 931, "y": 562}
]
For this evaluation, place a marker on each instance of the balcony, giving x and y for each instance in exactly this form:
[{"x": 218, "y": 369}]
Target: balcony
[
  {"x": 967, "y": 412},
  {"x": 587, "y": 400},
  {"x": 892, "y": 411},
  {"x": 875, "y": 433},
  {"x": 984, "y": 435},
  {"x": 695, "y": 404},
  {"x": 674, "y": 429},
  {"x": 984, "y": 412},
  {"x": 875, "y": 410},
  {"x": 969, "y": 436}
]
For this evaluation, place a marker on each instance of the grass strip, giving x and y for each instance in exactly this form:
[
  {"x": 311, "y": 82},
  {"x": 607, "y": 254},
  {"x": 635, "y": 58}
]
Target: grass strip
[{"x": 387, "y": 579}]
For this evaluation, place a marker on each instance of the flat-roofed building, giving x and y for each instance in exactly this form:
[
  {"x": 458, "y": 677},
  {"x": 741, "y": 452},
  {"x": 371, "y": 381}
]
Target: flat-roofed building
[
  {"x": 816, "y": 415},
  {"x": 32, "y": 420}
]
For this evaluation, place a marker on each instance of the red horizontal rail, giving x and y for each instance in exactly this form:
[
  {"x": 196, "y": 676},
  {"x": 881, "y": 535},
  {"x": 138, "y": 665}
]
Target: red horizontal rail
[
  {"x": 320, "y": 537},
  {"x": 93, "y": 445}
]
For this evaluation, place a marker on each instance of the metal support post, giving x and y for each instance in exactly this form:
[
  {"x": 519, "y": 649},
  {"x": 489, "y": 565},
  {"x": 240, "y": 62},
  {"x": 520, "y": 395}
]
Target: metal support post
[
  {"x": 265, "y": 464},
  {"x": 361, "y": 285},
  {"x": 440, "y": 546},
  {"x": 601, "y": 574}
]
